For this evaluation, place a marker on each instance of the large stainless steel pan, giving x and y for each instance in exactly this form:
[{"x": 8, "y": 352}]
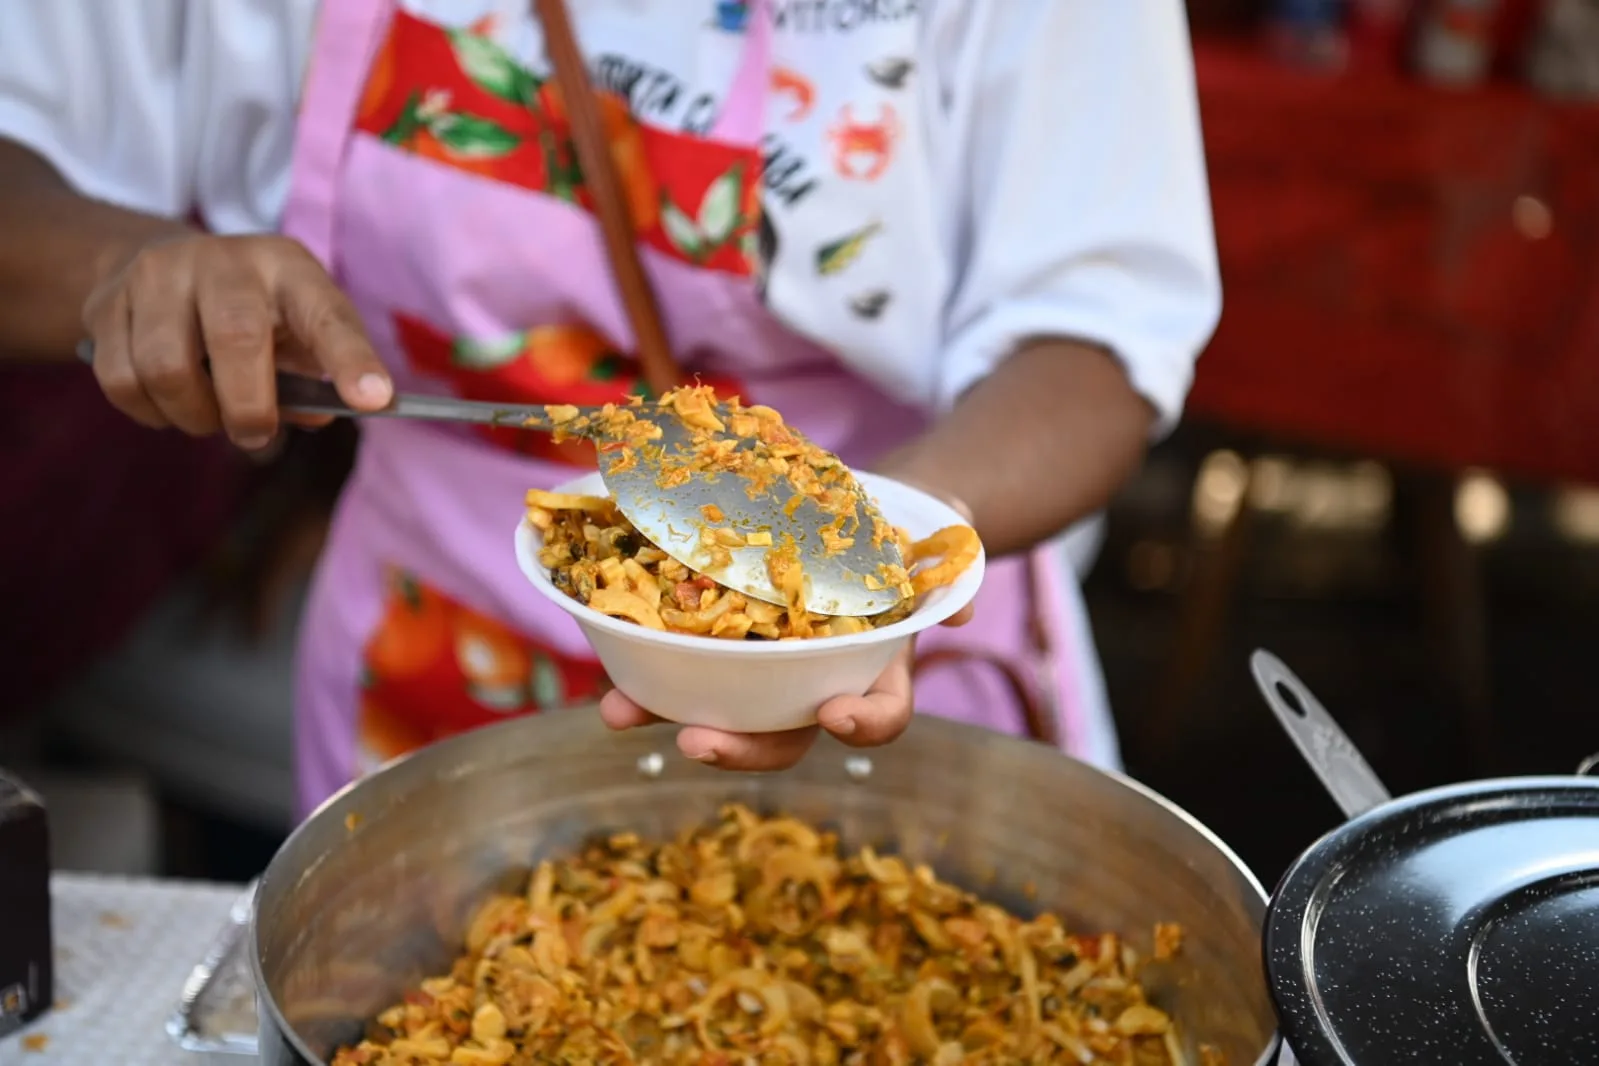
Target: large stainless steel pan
[{"x": 371, "y": 893}]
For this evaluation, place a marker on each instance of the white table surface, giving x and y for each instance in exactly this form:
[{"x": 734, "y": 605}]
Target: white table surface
[{"x": 123, "y": 949}]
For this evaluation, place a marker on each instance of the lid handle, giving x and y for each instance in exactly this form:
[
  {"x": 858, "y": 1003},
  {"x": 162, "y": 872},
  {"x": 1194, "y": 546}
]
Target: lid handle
[
  {"x": 1588, "y": 766},
  {"x": 1343, "y": 771}
]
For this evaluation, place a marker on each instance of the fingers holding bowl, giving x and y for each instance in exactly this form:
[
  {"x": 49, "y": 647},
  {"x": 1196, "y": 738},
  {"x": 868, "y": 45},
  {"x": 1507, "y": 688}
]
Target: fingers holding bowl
[
  {"x": 879, "y": 716},
  {"x": 715, "y": 747},
  {"x": 960, "y": 617},
  {"x": 749, "y": 752},
  {"x": 619, "y": 712}
]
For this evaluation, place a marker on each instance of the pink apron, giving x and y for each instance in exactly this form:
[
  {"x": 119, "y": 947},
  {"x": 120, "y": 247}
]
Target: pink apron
[{"x": 434, "y": 178}]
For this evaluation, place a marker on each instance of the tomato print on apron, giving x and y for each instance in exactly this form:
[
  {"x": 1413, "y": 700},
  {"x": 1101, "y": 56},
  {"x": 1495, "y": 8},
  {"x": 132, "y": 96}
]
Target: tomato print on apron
[{"x": 435, "y": 176}]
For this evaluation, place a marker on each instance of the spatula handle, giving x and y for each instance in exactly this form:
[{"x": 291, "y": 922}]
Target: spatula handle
[
  {"x": 296, "y": 392},
  {"x": 309, "y": 396},
  {"x": 1343, "y": 771}
]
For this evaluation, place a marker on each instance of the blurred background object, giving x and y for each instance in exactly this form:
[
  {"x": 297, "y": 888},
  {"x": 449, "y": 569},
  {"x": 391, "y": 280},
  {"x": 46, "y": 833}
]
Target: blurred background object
[
  {"x": 1455, "y": 40},
  {"x": 1309, "y": 33},
  {"x": 1564, "y": 56},
  {"x": 1388, "y": 474},
  {"x": 1385, "y": 473}
]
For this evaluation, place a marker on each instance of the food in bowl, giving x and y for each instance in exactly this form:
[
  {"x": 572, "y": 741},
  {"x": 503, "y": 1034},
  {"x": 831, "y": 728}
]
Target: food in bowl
[
  {"x": 595, "y": 556},
  {"x": 754, "y": 940},
  {"x": 752, "y": 685}
]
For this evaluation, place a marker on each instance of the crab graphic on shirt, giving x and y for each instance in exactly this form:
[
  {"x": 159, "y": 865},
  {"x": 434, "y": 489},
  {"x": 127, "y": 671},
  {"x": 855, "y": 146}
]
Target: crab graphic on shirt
[{"x": 862, "y": 150}]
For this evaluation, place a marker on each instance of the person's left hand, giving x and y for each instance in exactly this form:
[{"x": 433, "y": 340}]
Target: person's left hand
[{"x": 866, "y": 721}]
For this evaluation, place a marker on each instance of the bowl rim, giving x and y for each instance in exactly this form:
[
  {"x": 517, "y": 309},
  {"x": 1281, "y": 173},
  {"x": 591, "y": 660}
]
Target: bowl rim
[{"x": 955, "y": 596}]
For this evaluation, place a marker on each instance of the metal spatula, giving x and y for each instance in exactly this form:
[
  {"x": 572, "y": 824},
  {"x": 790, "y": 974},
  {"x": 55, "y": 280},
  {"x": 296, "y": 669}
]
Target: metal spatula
[{"x": 670, "y": 518}]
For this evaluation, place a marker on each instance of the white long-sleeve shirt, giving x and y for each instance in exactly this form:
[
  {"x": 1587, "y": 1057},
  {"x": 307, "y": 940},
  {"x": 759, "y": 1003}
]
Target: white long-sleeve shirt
[{"x": 1045, "y": 172}]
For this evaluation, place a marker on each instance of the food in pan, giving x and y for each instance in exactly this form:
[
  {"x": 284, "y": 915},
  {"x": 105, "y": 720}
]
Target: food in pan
[
  {"x": 753, "y": 940},
  {"x": 597, "y": 557}
]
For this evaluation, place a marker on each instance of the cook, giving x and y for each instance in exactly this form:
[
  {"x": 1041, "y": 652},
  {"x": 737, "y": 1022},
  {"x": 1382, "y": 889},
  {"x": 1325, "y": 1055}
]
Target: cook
[{"x": 963, "y": 243}]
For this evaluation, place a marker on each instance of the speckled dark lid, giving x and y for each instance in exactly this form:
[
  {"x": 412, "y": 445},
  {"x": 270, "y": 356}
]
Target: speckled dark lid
[{"x": 1457, "y": 926}]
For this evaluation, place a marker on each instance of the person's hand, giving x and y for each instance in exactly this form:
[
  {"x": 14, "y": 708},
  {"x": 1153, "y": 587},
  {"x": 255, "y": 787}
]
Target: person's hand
[
  {"x": 248, "y": 305},
  {"x": 878, "y": 717}
]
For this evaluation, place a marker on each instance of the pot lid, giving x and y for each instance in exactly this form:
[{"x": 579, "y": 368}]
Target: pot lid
[{"x": 1456, "y": 926}]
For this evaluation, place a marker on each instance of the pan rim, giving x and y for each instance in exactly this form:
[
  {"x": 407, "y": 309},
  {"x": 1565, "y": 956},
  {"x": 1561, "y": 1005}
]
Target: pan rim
[{"x": 1301, "y": 885}]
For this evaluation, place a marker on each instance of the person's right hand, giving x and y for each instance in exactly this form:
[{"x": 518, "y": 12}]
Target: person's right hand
[{"x": 246, "y": 305}]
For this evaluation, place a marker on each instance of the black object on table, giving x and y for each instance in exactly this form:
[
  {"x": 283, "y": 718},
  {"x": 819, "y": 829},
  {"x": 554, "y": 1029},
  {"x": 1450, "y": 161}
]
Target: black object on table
[{"x": 26, "y": 977}]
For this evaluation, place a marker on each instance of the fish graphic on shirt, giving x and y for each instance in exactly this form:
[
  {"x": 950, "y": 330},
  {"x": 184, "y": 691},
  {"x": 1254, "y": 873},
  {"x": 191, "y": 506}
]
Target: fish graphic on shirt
[
  {"x": 890, "y": 72},
  {"x": 871, "y": 305},
  {"x": 836, "y": 256}
]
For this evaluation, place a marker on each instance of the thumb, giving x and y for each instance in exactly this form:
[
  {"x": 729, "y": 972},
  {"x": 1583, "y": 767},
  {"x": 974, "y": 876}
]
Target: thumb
[
  {"x": 961, "y": 617},
  {"x": 326, "y": 325}
]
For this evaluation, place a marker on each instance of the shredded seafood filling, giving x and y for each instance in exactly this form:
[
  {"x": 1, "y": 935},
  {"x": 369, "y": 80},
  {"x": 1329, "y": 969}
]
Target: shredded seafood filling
[
  {"x": 753, "y": 940},
  {"x": 753, "y": 443},
  {"x": 596, "y": 556}
]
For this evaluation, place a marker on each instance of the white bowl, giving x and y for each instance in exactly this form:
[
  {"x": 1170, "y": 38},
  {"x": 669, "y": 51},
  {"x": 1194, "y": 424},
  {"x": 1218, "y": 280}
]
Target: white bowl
[{"x": 754, "y": 686}]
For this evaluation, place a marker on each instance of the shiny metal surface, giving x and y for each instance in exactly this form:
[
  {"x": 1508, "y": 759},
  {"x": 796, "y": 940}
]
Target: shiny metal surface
[
  {"x": 216, "y": 1016},
  {"x": 836, "y": 584},
  {"x": 671, "y": 520},
  {"x": 373, "y": 891},
  {"x": 1343, "y": 771},
  {"x": 1458, "y": 925}
]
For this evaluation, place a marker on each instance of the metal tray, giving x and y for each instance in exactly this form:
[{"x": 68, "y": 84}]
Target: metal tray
[{"x": 216, "y": 1016}]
